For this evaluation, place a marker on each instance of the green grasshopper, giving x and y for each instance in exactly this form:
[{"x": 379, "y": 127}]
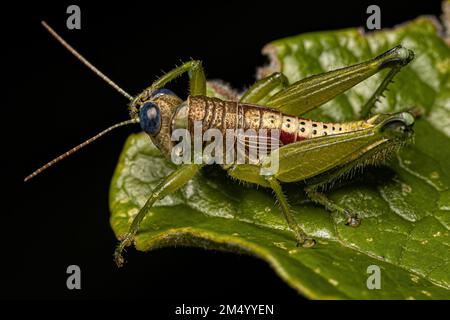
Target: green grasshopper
[{"x": 315, "y": 153}]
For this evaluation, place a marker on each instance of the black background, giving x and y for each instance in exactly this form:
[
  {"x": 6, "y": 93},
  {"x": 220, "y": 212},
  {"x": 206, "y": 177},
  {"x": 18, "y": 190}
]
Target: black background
[{"x": 53, "y": 102}]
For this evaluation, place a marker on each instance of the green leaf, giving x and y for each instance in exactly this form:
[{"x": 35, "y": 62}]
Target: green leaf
[{"x": 405, "y": 206}]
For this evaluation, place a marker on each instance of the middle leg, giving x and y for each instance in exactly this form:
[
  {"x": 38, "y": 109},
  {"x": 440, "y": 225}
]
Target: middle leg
[
  {"x": 261, "y": 91},
  {"x": 300, "y": 235}
]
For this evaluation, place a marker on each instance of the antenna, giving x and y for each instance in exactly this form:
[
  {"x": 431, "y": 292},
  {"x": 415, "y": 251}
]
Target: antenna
[
  {"x": 78, "y": 147},
  {"x": 85, "y": 62}
]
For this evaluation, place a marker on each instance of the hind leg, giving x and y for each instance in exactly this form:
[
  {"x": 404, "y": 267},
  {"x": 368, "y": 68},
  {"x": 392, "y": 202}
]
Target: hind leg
[
  {"x": 321, "y": 198},
  {"x": 311, "y": 92}
]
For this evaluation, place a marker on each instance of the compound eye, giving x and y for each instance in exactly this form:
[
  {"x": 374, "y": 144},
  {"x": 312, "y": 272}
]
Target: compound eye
[
  {"x": 162, "y": 91},
  {"x": 150, "y": 118}
]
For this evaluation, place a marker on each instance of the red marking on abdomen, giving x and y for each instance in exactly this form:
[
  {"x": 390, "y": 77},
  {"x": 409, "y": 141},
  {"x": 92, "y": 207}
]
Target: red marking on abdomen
[{"x": 287, "y": 137}]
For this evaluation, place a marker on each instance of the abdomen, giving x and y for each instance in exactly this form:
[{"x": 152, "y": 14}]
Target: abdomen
[{"x": 223, "y": 115}]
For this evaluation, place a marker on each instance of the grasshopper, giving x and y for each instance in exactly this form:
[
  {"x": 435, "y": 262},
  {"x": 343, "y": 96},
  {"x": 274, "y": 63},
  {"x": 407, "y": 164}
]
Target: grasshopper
[{"x": 314, "y": 153}]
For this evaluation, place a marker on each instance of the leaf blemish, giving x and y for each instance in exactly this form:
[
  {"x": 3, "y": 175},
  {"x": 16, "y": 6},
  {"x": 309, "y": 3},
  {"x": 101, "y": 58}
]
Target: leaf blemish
[
  {"x": 437, "y": 234},
  {"x": 133, "y": 212},
  {"x": 333, "y": 282},
  {"x": 426, "y": 293},
  {"x": 280, "y": 245},
  {"x": 434, "y": 175}
]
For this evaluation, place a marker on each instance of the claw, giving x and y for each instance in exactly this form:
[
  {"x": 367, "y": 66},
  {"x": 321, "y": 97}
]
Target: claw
[
  {"x": 309, "y": 243},
  {"x": 125, "y": 242},
  {"x": 305, "y": 241},
  {"x": 118, "y": 258},
  {"x": 353, "y": 221}
]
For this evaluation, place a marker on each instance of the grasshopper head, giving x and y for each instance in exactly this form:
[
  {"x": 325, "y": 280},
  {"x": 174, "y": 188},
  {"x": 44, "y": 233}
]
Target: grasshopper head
[{"x": 155, "y": 117}]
